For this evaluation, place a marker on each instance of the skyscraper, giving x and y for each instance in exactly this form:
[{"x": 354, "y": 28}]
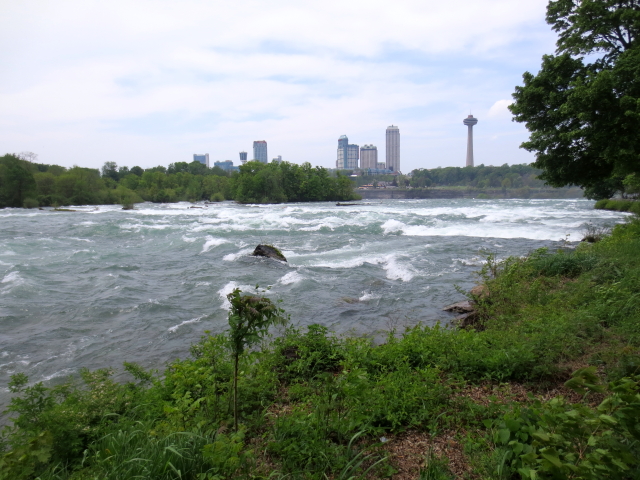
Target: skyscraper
[
  {"x": 204, "y": 158},
  {"x": 243, "y": 157},
  {"x": 393, "y": 148},
  {"x": 343, "y": 145},
  {"x": 260, "y": 151},
  {"x": 368, "y": 156},
  {"x": 353, "y": 155},
  {"x": 470, "y": 122}
]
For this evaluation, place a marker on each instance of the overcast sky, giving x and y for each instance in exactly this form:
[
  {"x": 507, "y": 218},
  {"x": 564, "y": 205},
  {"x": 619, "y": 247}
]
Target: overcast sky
[{"x": 153, "y": 82}]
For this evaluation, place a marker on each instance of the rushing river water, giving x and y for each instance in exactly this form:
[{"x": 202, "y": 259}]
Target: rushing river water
[{"x": 100, "y": 286}]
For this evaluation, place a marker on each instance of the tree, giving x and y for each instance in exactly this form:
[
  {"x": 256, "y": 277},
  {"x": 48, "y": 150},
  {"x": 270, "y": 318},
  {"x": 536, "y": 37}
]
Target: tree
[
  {"x": 583, "y": 106},
  {"x": 16, "y": 182},
  {"x": 249, "y": 319},
  {"x": 28, "y": 156},
  {"x": 110, "y": 170}
]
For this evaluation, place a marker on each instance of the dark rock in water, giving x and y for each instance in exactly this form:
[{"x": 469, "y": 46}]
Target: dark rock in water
[
  {"x": 269, "y": 251},
  {"x": 461, "y": 307}
]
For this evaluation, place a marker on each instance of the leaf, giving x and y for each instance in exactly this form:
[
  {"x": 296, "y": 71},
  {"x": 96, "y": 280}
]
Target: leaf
[
  {"x": 553, "y": 459},
  {"x": 529, "y": 457},
  {"x": 608, "y": 419},
  {"x": 592, "y": 441},
  {"x": 541, "y": 436},
  {"x": 504, "y": 435}
]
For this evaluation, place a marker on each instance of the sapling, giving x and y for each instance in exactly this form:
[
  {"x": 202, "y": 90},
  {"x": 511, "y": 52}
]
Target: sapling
[{"x": 250, "y": 317}]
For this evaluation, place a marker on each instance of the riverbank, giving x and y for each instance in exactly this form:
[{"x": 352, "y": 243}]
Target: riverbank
[
  {"x": 468, "y": 192},
  {"x": 427, "y": 403},
  {"x": 619, "y": 205}
]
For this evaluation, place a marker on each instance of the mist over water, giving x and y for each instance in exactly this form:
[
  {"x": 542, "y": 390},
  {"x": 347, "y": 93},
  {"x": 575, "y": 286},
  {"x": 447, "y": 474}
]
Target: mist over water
[{"x": 101, "y": 286}]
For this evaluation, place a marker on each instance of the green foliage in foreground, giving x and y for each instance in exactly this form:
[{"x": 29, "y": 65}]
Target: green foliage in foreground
[{"x": 312, "y": 405}]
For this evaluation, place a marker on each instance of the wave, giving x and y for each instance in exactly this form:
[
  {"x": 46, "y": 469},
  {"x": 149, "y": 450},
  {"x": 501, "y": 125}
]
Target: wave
[
  {"x": 367, "y": 296},
  {"x": 532, "y": 231},
  {"x": 230, "y": 257},
  {"x": 290, "y": 278},
  {"x": 212, "y": 242},
  {"x": 186, "y": 322},
  {"x": 394, "y": 269}
]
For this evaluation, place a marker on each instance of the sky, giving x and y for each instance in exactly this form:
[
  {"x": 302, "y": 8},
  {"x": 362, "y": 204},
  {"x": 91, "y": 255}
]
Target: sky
[{"x": 152, "y": 82}]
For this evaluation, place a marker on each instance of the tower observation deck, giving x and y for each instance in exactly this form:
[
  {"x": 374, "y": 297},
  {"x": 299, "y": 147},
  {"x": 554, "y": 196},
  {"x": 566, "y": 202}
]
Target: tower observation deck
[{"x": 470, "y": 121}]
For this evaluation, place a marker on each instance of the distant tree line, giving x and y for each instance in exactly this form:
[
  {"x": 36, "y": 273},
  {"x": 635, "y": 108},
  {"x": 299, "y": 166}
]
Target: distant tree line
[
  {"x": 28, "y": 184},
  {"x": 506, "y": 176}
]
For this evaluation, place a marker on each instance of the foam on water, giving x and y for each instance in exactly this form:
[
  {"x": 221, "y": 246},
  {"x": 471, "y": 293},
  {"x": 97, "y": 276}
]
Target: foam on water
[
  {"x": 186, "y": 322},
  {"x": 368, "y": 296},
  {"x": 290, "y": 278},
  {"x": 212, "y": 242},
  {"x": 230, "y": 257}
]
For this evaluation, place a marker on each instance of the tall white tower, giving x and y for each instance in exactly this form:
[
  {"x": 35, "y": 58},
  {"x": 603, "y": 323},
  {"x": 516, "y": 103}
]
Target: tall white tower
[
  {"x": 393, "y": 148},
  {"x": 470, "y": 122}
]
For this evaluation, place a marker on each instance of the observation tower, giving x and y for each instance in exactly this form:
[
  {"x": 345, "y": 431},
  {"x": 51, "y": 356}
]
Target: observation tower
[{"x": 470, "y": 121}]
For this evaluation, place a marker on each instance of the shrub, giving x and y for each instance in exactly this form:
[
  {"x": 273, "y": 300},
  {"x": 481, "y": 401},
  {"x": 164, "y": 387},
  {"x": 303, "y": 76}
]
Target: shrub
[
  {"x": 559, "y": 440},
  {"x": 217, "y": 197},
  {"x": 30, "y": 203}
]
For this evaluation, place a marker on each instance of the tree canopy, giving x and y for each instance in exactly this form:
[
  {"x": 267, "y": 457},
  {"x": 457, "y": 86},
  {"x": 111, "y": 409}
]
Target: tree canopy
[
  {"x": 23, "y": 183},
  {"x": 583, "y": 106}
]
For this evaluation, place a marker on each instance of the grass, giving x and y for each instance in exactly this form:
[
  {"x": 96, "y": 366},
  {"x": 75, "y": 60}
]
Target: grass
[{"x": 428, "y": 403}]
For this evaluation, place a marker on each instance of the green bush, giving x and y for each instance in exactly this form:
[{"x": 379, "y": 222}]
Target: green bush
[
  {"x": 559, "y": 440},
  {"x": 217, "y": 197},
  {"x": 30, "y": 203},
  {"x": 601, "y": 204}
]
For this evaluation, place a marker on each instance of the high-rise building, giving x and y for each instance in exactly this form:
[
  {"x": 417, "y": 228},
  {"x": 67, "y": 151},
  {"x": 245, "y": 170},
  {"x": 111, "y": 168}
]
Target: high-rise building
[
  {"x": 368, "y": 156},
  {"x": 393, "y": 148},
  {"x": 470, "y": 121},
  {"x": 243, "y": 157},
  {"x": 353, "y": 155},
  {"x": 277, "y": 159},
  {"x": 204, "y": 158},
  {"x": 260, "y": 151},
  {"x": 343, "y": 145},
  {"x": 226, "y": 165}
]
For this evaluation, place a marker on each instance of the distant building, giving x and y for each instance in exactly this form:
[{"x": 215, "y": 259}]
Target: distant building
[
  {"x": 393, "y": 148},
  {"x": 260, "y": 151},
  {"x": 470, "y": 121},
  {"x": 368, "y": 156},
  {"x": 343, "y": 145},
  {"x": 376, "y": 171},
  {"x": 381, "y": 166},
  {"x": 204, "y": 159},
  {"x": 226, "y": 165},
  {"x": 353, "y": 155},
  {"x": 277, "y": 159},
  {"x": 243, "y": 157}
]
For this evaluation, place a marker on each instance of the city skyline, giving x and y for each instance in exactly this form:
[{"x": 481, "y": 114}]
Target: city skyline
[{"x": 144, "y": 87}]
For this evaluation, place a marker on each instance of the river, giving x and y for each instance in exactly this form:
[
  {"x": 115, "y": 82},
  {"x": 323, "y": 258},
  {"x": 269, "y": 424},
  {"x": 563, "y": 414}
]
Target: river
[{"x": 101, "y": 285}]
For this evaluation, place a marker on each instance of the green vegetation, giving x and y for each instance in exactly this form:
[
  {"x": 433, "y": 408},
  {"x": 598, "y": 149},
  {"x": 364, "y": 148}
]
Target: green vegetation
[
  {"x": 514, "y": 176},
  {"x": 313, "y": 405},
  {"x": 583, "y": 106},
  {"x": 29, "y": 185},
  {"x": 619, "y": 205}
]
